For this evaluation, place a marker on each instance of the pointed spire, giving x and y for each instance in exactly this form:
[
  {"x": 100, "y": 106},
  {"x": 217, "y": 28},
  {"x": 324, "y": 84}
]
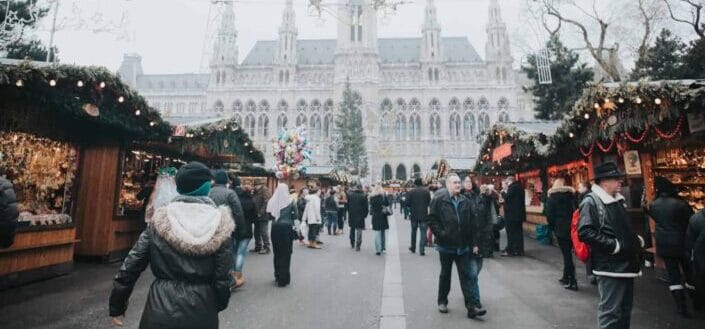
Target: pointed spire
[
  {"x": 431, "y": 20},
  {"x": 495, "y": 13},
  {"x": 287, "y": 35},
  {"x": 225, "y": 47},
  {"x": 431, "y": 30}
]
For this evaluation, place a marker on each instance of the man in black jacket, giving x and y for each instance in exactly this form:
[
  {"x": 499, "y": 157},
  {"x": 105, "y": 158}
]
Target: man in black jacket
[
  {"x": 695, "y": 251},
  {"x": 514, "y": 215},
  {"x": 358, "y": 209},
  {"x": 8, "y": 211},
  {"x": 418, "y": 199},
  {"x": 614, "y": 247},
  {"x": 452, "y": 220},
  {"x": 223, "y": 196}
]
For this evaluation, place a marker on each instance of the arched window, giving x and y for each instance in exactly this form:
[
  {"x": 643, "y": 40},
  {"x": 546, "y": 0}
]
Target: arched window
[
  {"x": 328, "y": 105},
  {"x": 435, "y": 104},
  {"x": 416, "y": 171},
  {"x": 483, "y": 104},
  {"x": 286, "y": 77},
  {"x": 468, "y": 104},
  {"x": 454, "y": 126},
  {"x": 251, "y": 106},
  {"x": 483, "y": 123},
  {"x": 415, "y": 127},
  {"x": 281, "y": 122},
  {"x": 401, "y": 172},
  {"x": 301, "y": 105},
  {"x": 384, "y": 126},
  {"x": 386, "y": 172},
  {"x": 315, "y": 105},
  {"x": 281, "y": 76},
  {"x": 430, "y": 74},
  {"x": 414, "y": 105},
  {"x": 503, "y": 117},
  {"x": 264, "y": 105},
  {"x": 301, "y": 120},
  {"x": 435, "y": 124},
  {"x": 401, "y": 104},
  {"x": 237, "y": 106},
  {"x": 237, "y": 119},
  {"x": 315, "y": 124},
  {"x": 263, "y": 125},
  {"x": 250, "y": 125},
  {"x": 435, "y": 74},
  {"x": 454, "y": 104},
  {"x": 218, "y": 107},
  {"x": 328, "y": 126},
  {"x": 468, "y": 126},
  {"x": 503, "y": 103},
  {"x": 400, "y": 131},
  {"x": 283, "y": 106},
  {"x": 386, "y": 105}
]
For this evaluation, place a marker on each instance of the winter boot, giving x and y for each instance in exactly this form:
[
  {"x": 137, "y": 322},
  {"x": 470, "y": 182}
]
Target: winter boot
[
  {"x": 692, "y": 293},
  {"x": 572, "y": 284},
  {"x": 239, "y": 279},
  {"x": 679, "y": 297}
]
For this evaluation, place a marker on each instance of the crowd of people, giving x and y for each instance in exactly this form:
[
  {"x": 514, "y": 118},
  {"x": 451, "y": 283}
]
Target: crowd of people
[{"x": 196, "y": 245}]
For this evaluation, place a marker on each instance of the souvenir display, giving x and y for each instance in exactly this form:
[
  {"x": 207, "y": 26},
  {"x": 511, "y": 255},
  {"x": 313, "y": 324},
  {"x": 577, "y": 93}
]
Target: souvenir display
[
  {"x": 685, "y": 167},
  {"x": 139, "y": 174},
  {"x": 42, "y": 172}
]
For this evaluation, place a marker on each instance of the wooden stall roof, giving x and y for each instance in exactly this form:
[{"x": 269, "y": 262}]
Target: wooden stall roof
[{"x": 219, "y": 138}]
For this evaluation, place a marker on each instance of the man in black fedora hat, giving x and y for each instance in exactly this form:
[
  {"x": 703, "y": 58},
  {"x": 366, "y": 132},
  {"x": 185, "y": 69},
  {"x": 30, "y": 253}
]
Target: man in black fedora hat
[{"x": 614, "y": 247}]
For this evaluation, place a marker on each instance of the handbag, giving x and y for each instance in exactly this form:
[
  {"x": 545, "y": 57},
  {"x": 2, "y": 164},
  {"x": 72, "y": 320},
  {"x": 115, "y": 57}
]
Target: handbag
[{"x": 387, "y": 210}]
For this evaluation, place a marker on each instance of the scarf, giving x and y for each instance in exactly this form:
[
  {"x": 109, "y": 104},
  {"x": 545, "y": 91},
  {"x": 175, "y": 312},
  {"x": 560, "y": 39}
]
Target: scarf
[{"x": 278, "y": 201}]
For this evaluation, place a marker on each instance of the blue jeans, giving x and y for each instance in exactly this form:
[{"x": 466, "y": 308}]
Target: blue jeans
[
  {"x": 331, "y": 221},
  {"x": 474, "y": 268},
  {"x": 239, "y": 252},
  {"x": 379, "y": 241}
]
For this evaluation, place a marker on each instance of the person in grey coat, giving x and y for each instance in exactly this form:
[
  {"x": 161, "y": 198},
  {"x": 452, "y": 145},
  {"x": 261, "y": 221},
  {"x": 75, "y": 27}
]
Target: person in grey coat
[
  {"x": 8, "y": 211},
  {"x": 223, "y": 196}
]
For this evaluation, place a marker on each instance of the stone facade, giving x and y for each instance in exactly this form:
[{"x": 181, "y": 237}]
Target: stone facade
[{"x": 424, "y": 98}]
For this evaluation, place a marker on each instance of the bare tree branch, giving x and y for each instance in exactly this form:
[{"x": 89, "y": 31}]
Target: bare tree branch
[
  {"x": 644, "y": 46},
  {"x": 696, "y": 14}
]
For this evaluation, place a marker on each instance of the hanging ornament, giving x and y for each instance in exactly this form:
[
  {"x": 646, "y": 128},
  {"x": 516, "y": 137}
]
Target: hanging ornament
[
  {"x": 605, "y": 149},
  {"x": 91, "y": 109},
  {"x": 672, "y": 134},
  {"x": 612, "y": 120},
  {"x": 637, "y": 140}
]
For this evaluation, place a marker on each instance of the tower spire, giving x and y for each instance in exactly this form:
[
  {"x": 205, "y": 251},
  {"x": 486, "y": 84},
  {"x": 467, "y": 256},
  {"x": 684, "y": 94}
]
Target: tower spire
[
  {"x": 431, "y": 48},
  {"x": 497, "y": 49},
  {"x": 287, "y": 35},
  {"x": 225, "y": 46}
]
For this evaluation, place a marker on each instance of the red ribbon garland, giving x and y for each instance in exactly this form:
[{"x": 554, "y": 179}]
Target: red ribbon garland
[
  {"x": 587, "y": 154},
  {"x": 672, "y": 134},
  {"x": 605, "y": 149},
  {"x": 638, "y": 139}
]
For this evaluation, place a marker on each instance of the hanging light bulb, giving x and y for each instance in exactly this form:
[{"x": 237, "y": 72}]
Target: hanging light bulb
[
  {"x": 79, "y": 83},
  {"x": 596, "y": 105},
  {"x": 246, "y": 144},
  {"x": 19, "y": 83},
  {"x": 620, "y": 100},
  {"x": 102, "y": 85},
  {"x": 121, "y": 99},
  {"x": 571, "y": 135},
  {"x": 607, "y": 100},
  {"x": 52, "y": 82},
  {"x": 138, "y": 112},
  {"x": 657, "y": 101},
  {"x": 152, "y": 123},
  {"x": 586, "y": 116},
  {"x": 638, "y": 100}
]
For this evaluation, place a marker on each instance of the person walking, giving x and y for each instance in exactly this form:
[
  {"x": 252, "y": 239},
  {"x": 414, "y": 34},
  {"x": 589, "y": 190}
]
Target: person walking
[
  {"x": 243, "y": 234},
  {"x": 261, "y": 196},
  {"x": 342, "y": 201},
  {"x": 606, "y": 227},
  {"x": 419, "y": 200},
  {"x": 331, "y": 212},
  {"x": 379, "y": 204},
  {"x": 671, "y": 215},
  {"x": 9, "y": 211},
  {"x": 695, "y": 253},
  {"x": 583, "y": 189},
  {"x": 312, "y": 218},
  {"x": 515, "y": 216},
  {"x": 560, "y": 206},
  {"x": 187, "y": 246},
  {"x": 222, "y": 196},
  {"x": 282, "y": 207},
  {"x": 358, "y": 209},
  {"x": 452, "y": 220}
]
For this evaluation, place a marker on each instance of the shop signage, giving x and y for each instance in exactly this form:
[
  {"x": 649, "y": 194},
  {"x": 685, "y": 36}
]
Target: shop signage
[
  {"x": 502, "y": 151},
  {"x": 180, "y": 131},
  {"x": 632, "y": 164}
]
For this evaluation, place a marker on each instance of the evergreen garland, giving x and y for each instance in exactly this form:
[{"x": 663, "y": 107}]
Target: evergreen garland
[{"x": 224, "y": 137}]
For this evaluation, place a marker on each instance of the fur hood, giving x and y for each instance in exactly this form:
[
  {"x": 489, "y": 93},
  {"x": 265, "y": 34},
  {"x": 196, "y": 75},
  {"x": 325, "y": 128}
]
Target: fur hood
[
  {"x": 561, "y": 189},
  {"x": 194, "y": 228}
]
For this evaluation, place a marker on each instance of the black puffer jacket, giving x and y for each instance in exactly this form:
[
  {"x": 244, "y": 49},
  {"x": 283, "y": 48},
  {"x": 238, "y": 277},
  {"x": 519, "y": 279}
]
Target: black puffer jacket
[
  {"x": 695, "y": 242},
  {"x": 559, "y": 210},
  {"x": 379, "y": 219},
  {"x": 603, "y": 235},
  {"x": 485, "y": 228},
  {"x": 671, "y": 216},
  {"x": 223, "y": 196},
  {"x": 452, "y": 229},
  {"x": 515, "y": 203},
  {"x": 190, "y": 267},
  {"x": 8, "y": 213},
  {"x": 249, "y": 211},
  {"x": 358, "y": 209}
]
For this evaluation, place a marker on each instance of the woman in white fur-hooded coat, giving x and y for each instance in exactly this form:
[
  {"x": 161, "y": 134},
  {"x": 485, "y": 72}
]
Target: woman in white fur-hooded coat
[{"x": 187, "y": 246}]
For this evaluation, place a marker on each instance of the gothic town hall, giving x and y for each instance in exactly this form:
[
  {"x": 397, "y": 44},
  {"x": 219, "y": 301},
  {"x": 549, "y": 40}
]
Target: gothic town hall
[{"x": 424, "y": 98}]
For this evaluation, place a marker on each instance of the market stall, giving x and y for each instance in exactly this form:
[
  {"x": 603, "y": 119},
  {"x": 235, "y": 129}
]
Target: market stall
[{"x": 57, "y": 121}]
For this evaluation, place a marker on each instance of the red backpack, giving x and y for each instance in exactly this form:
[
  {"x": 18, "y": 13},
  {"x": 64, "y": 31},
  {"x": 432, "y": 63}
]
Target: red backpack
[{"x": 582, "y": 250}]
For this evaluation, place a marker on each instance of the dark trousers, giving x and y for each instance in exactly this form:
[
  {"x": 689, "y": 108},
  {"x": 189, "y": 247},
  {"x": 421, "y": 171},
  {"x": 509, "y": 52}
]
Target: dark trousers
[
  {"x": 515, "y": 237},
  {"x": 261, "y": 233},
  {"x": 616, "y": 301},
  {"x": 462, "y": 264},
  {"x": 282, "y": 240},
  {"x": 675, "y": 276},
  {"x": 313, "y": 230},
  {"x": 341, "y": 218},
  {"x": 421, "y": 227},
  {"x": 566, "y": 246},
  {"x": 699, "y": 285}
]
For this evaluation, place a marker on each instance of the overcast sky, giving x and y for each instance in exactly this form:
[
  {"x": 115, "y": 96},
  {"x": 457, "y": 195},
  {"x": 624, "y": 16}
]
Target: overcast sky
[{"x": 169, "y": 34}]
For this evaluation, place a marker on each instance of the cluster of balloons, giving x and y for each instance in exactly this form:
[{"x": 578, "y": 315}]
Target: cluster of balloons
[{"x": 290, "y": 151}]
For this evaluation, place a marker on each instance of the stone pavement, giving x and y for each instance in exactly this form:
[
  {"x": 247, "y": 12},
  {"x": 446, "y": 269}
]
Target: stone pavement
[{"x": 337, "y": 287}]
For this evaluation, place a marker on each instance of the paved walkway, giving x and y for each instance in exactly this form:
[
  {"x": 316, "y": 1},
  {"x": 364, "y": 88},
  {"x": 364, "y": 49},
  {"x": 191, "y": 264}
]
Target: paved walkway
[{"x": 337, "y": 287}]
